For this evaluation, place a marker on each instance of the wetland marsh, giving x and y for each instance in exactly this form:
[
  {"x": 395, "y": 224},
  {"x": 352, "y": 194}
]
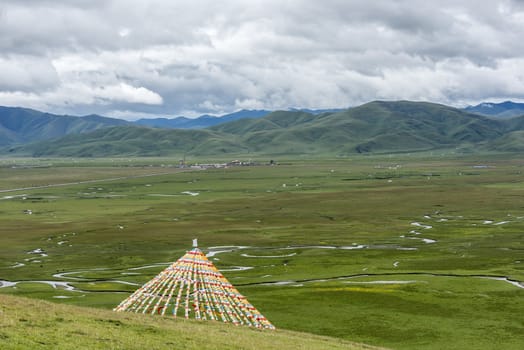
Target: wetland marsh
[{"x": 406, "y": 252}]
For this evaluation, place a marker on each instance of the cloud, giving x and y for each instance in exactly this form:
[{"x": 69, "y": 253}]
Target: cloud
[
  {"x": 154, "y": 58},
  {"x": 22, "y": 73},
  {"x": 127, "y": 93}
]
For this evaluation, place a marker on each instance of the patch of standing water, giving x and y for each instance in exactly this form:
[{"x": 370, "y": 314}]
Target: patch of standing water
[
  {"x": 237, "y": 268},
  {"x": 279, "y": 283},
  {"x": 23, "y": 196},
  {"x": 65, "y": 275},
  {"x": 190, "y": 193},
  {"x": 425, "y": 240},
  {"x": 162, "y": 195},
  {"x": 149, "y": 266},
  {"x": 124, "y": 282},
  {"x": 418, "y": 224},
  {"x": 6, "y": 284},
  {"x": 268, "y": 256},
  {"x": 66, "y": 285},
  {"x": 505, "y": 279},
  {"x": 379, "y": 282},
  {"x": 213, "y": 251},
  {"x": 515, "y": 283},
  {"x": 501, "y": 223},
  {"x": 223, "y": 249},
  {"x": 360, "y": 246},
  {"x": 54, "y": 284},
  {"x": 349, "y": 247}
]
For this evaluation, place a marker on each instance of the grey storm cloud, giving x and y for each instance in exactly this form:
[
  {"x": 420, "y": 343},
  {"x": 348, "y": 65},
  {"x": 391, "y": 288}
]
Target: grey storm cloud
[{"x": 133, "y": 58}]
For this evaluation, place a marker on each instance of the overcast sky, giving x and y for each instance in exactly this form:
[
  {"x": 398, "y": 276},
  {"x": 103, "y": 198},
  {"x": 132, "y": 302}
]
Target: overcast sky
[{"x": 136, "y": 58}]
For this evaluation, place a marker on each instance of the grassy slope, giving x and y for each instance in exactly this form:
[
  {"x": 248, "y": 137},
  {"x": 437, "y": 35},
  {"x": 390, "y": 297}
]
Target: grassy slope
[
  {"x": 27, "y": 125},
  {"x": 511, "y": 142},
  {"x": 373, "y": 127},
  {"x": 33, "y": 324},
  {"x": 131, "y": 140}
]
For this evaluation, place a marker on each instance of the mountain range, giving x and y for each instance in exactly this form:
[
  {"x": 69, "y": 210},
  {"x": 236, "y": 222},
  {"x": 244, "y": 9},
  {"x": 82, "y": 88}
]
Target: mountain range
[
  {"x": 203, "y": 121},
  {"x": 506, "y": 109},
  {"x": 375, "y": 127},
  {"x": 22, "y": 125}
]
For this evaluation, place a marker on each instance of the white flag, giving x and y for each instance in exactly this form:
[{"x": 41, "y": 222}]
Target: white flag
[{"x": 195, "y": 242}]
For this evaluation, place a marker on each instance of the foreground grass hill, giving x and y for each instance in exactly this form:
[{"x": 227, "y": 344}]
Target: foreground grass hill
[
  {"x": 375, "y": 127},
  {"x": 35, "y": 324}
]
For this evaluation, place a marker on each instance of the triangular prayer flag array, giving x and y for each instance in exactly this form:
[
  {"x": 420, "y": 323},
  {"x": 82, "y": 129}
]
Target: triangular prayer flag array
[{"x": 193, "y": 287}]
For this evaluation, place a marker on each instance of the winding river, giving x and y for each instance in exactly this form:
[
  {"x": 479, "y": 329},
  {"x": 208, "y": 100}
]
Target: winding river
[{"x": 66, "y": 280}]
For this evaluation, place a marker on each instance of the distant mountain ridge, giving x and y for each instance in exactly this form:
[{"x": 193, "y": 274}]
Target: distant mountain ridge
[
  {"x": 506, "y": 109},
  {"x": 22, "y": 125},
  {"x": 203, "y": 121},
  {"x": 378, "y": 126},
  {"x": 375, "y": 127}
]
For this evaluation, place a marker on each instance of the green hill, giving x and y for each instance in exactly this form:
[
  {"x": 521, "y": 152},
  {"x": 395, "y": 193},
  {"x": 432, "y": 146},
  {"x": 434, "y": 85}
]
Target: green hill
[
  {"x": 21, "y": 125},
  {"x": 35, "y": 324},
  {"x": 411, "y": 126},
  {"x": 132, "y": 141},
  {"x": 375, "y": 127},
  {"x": 511, "y": 142}
]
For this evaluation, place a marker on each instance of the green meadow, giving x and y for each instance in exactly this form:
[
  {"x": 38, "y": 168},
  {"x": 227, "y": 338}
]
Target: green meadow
[
  {"x": 35, "y": 324},
  {"x": 414, "y": 251}
]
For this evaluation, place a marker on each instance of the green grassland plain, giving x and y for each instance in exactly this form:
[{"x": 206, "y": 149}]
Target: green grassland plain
[{"x": 404, "y": 251}]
